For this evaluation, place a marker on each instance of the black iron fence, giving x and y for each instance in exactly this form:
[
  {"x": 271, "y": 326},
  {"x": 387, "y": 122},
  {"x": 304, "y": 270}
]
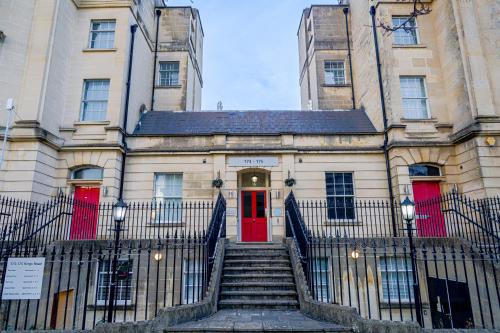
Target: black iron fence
[
  {"x": 455, "y": 284},
  {"x": 169, "y": 269},
  {"x": 38, "y": 224},
  {"x": 450, "y": 215}
]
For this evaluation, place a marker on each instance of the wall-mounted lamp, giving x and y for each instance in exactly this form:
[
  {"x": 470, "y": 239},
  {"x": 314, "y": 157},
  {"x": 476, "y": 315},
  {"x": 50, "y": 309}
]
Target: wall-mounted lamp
[
  {"x": 355, "y": 254},
  {"x": 158, "y": 256},
  {"x": 254, "y": 179}
]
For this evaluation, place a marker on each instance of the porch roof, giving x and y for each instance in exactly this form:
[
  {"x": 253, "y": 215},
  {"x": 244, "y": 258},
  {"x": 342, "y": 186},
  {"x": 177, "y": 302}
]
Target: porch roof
[{"x": 186, "y": 123}]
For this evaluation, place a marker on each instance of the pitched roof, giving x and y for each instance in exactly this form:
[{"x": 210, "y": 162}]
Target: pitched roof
[{"x": 170, "y": 123}]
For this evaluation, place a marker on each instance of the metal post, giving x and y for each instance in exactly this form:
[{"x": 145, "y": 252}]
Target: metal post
[
  {"x": 416, "y": 286},
  {"x": 112, "y": 289}
]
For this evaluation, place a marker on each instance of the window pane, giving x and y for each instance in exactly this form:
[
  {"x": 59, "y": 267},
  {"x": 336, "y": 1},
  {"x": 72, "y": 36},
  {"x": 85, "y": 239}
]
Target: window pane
[
  {"x": 102, "y": 34},
  {"x": 334, "y": 72},
  {"x": 414, "y": 97},
  {"x": 261, "y": 204},
  {"x": 95, "y": 100},
  {"x": 168, "y": 198},
  {"x": 340, "y": 195},
  {"x": 321, "y": 279},
  {"x": 407, "y": 34},
  {"x": 124, "y": 283},
  {"x": 191, "y": 290},
  {"x": 247, "y": 204},
  {"x": 423, "y": 170},
  {"x": 169, "y": 73},
  {"x": 397, "y": 279},
  {"x": 87, "y": 173}
]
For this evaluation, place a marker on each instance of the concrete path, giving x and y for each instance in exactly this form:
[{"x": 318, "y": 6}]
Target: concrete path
[{"x": 258, "y": 321}]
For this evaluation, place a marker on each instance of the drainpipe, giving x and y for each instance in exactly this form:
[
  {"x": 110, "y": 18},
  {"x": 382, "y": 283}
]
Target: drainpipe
[
  {"x": 111, "y": 307},
  {"x": 133, "y": 29},
  {"x": 158, "y": 13},
  {"x": 384, "y": 116},
  {"x": 346, "y": 13}
]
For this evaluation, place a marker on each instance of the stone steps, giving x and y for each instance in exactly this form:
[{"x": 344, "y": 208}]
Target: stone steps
[
  {"x": 257, "y": 276},
  {"x": 257, "y": 286},
  {"x": 273, "y": 304}
]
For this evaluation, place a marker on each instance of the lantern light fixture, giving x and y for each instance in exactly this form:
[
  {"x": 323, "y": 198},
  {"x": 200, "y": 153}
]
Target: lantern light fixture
[
  {"x": 408, "y": 209},
  {"x": 119, "y": 211}
]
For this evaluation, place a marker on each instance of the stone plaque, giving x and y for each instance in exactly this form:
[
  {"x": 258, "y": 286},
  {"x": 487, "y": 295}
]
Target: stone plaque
[{"x": 253, "y": 161}]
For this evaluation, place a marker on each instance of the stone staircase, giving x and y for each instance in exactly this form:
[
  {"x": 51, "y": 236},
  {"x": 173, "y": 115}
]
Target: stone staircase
[{"x": 258, "y": 276}]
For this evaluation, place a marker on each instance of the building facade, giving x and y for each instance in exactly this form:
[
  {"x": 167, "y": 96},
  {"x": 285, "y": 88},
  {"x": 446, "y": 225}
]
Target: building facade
[
  {"x": 441, "y": 109},
  {"x": 95, "y": 82},
  {"x": 76, "y": 55}
]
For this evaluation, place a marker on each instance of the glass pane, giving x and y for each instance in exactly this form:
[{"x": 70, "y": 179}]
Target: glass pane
[
  {"x": 423, "y": 170},
  {"x": 261, "y": 204},
  {"x": 247, "y": 204},
  {"x": 247, "y": 180},
  {"x": 87, "y": 173}
]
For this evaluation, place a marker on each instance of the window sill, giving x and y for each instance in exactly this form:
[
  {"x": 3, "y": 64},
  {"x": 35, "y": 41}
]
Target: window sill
[
  {"x": 99, "y": 50},
  {"x": 103, "y": 306},
  {"x": 342, "y": 222},
  {"x": 344, "y": 85},
  {"x": 396, "y": 305},
  {"x": 169, "y": 87},
  {"x": 423, "y": 120},
  {"x": 164, "y": 224},
  {"x": 409, "y": 46},
  {"x": 91, "y": 122}
]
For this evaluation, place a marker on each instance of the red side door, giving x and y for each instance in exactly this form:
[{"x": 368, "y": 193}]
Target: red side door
[
  {"x": 428, "y": 214},
  {"x": 253, "y": 216},
  {"x": 85, "y": 213}
]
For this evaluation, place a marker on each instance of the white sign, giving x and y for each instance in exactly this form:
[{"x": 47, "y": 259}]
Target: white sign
[
  {"x": 23, "y": 279},
  {"x": 231, "y": 211},
  {"x": 253, "y": 161}
]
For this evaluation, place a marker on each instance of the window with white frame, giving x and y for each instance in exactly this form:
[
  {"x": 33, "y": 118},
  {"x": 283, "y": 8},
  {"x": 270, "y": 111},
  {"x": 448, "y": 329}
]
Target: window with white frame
[
  {"x": 192, "y": 281},
  {"x": 124, "y": 282},
  {"x": 102, "y": 34},
  {"x": 414, "y": 95},
  {"x": 340, "y": 195},
  {"x": 168, "y": 197},
  {"x": 407, "y": 34},
  {"x": 321, "y": 279},
  {"x": 169, "y": 73},
  {"x": 95, "y": 100},
  {"x": 334, "y": 72},
  {"x": 397, "y": 279}
]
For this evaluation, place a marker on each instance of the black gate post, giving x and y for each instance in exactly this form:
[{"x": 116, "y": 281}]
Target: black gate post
[{"x": 416, "y": 285}]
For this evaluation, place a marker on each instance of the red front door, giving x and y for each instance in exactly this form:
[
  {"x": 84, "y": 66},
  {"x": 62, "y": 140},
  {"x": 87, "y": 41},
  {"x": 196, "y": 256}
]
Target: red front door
[
  {"x": 253, "y": 216},
  {"x": 85, "y": 213},
  {"x": 428, "y": 214}
]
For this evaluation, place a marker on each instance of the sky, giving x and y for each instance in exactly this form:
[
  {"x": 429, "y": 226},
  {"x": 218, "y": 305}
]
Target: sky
[{"x": 250, "y": 52}]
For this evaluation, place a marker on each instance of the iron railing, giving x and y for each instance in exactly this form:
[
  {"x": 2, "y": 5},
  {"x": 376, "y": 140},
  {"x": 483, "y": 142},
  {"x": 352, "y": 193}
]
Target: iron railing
[
  {"x": 166, "y": 271},
  {"x": 458, "y": 283},
  {"x": 25, "y": 223},
  {"x": 449, "y": 215}
]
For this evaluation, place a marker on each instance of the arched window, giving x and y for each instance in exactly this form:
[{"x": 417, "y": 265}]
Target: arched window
[
  {"x": 424, "y": 170},
  {"x": 87, "y": 173}
]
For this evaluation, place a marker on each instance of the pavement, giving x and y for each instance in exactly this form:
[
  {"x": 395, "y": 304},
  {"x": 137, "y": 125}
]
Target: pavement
[{"x": 239, "y": 320}]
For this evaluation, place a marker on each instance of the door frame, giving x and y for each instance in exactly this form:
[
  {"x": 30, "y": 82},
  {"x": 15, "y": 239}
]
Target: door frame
[{"x": 265, "y": 189}]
